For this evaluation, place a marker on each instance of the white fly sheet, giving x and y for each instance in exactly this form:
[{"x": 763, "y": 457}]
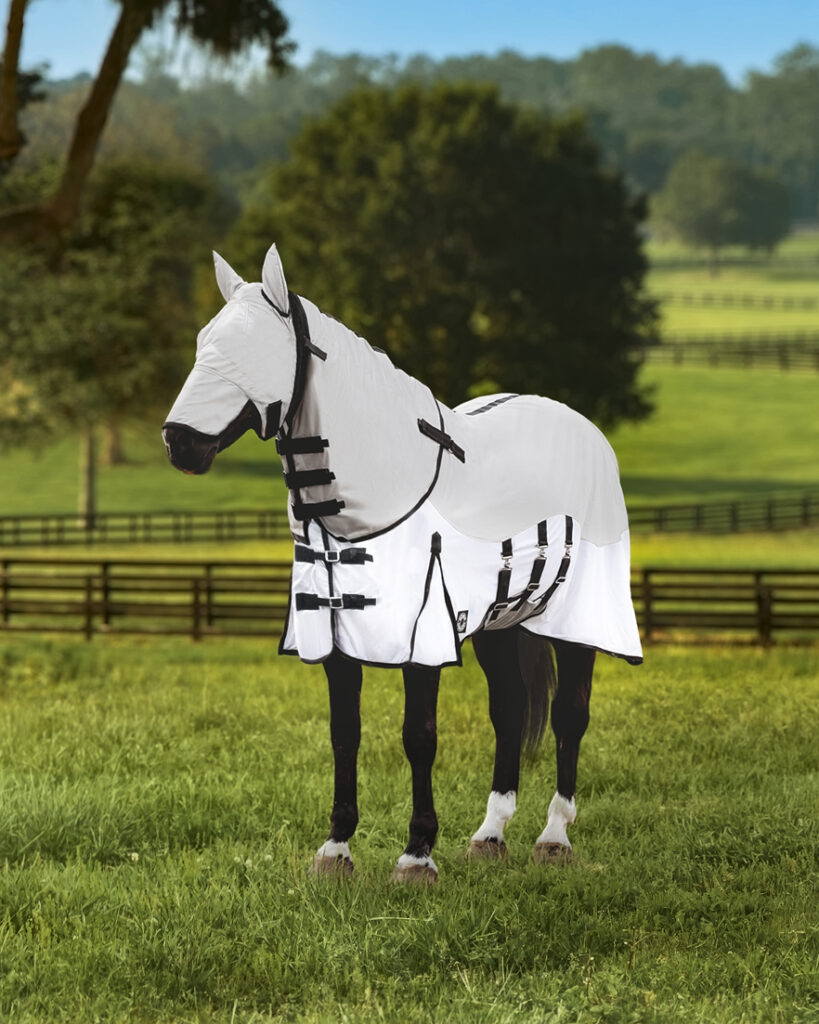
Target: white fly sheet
[{"x": 415, "y": 524}]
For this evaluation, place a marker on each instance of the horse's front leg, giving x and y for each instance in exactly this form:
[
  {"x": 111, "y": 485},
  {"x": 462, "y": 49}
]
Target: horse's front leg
[
  {"x": 420, "y": 736},
  {"x": 570, "y": 717},
  {"x": 344, "y": 680}
]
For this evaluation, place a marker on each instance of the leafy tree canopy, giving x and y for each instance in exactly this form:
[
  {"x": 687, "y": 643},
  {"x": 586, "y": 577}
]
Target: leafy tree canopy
[
  {"x": 483, "y": 247},
  {"x": 713, "y": 202},
  {"x": 106, "y": 330}
]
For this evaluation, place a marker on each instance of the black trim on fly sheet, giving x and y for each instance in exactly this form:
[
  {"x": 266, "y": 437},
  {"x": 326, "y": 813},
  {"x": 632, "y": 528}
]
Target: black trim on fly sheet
[
  {"x": 491, "y": 405},
  {"x": 415, "y": 507},
  {"x": 435, "y": 558}
]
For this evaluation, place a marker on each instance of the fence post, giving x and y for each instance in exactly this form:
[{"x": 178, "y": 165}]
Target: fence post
[
  {"x": 209, "y": 594},
  {"x": 89, "y": 607},
  {"x": 6, "y": 614},
  {"x": 764, "y": 610},
  {"x": 106, "y": 594},
  {"x": 648, "y": 626},
  {"x": 196, "y": 610}
]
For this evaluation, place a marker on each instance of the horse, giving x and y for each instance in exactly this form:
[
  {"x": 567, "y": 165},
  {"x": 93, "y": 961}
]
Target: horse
[{"x": 416, "y": 526}]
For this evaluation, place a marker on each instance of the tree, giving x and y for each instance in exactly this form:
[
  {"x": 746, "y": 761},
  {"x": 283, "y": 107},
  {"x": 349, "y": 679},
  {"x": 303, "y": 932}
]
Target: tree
[
  {"x": 480, "y": 245},
  {"x": 225, "y": 26},
  {"x": 106, "y": 332},
  {"x": 713, "y": 202}
]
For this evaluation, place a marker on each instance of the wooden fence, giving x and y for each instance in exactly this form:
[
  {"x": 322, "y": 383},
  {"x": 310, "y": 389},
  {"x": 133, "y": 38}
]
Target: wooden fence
[
  {"x": 66, "y": 529},
  {"x": 760, "y": 514},
  {"x": 133, "y": 596},
  {"x": 744, "y": 300},
  {"x": 752, "y": 605},
  {"x": 200, "y": 599},
  {"x": 785, "y": 352}
]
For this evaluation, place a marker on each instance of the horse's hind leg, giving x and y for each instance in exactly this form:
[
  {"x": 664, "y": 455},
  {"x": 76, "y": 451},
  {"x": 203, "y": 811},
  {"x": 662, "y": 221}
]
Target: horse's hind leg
[
  {"x": 497, "y": 654},
  {"x": 420, "y": 736},
  {"x": 570, "y": 717},
  {"x": 344, "y": 680}
]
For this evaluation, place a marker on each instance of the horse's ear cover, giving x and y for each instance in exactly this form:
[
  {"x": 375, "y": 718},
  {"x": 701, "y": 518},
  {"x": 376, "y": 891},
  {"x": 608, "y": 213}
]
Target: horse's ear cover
[
  {"x": 226, "y": 277},
  {"x": 273, "y": 281}
]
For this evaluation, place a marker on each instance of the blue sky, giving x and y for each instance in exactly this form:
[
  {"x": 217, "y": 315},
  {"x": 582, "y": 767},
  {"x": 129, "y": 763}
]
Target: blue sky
[{"x": 70, "y": 34}]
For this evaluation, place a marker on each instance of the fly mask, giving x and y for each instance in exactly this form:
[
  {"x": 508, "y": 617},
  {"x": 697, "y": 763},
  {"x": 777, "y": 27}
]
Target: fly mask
[{"x": 248, "y": 370}]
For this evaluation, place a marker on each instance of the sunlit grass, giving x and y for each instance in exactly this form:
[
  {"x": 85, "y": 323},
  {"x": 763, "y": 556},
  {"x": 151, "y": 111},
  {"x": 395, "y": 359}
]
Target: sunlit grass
[{"x": 161, "y": 803}]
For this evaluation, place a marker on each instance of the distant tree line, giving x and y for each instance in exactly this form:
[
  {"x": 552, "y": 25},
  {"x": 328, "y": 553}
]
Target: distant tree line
[{"x": 644, "y": 113}]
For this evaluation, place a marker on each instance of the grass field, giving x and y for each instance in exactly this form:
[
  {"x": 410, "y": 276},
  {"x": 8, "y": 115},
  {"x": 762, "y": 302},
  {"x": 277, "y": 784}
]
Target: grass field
[
  {"x": 160, "y": 804},
  {"x": 781, "y": 278}
]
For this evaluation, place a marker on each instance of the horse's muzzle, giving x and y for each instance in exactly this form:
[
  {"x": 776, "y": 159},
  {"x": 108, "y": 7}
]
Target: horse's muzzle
[{"x": 188, "y": 449}]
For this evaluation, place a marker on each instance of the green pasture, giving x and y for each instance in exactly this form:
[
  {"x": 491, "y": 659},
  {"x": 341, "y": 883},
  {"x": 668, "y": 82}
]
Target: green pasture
[
  {"x": 715, "y": 434},
  {"x": 161, "y": 802},
  {"x": 800, "y": 250},
  {"x": 792, "y": 273}
]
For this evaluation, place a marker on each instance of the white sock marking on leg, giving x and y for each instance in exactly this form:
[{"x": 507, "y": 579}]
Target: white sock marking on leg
[
  {"x": 333, "y": 849},
  {"x": 499, "y": 809},
  {"x": 562, "y": 812},
  {"x": 408, "y": 860}
]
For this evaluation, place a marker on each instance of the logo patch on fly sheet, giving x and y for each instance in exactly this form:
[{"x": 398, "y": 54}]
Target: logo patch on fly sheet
[{"x": 460, "y": 622}]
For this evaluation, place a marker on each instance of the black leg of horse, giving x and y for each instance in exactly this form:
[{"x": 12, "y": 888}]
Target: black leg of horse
[
  {"x": 420, "y": 736},
  {"x": 497, "y": 654},
  {"x": 344, "y": 679},
  {"x": 570, "y": 717}
]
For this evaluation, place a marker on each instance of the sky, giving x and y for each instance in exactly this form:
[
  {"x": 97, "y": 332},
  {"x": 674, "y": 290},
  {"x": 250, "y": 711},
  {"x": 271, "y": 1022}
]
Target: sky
[{"x": 70, "y": 35}]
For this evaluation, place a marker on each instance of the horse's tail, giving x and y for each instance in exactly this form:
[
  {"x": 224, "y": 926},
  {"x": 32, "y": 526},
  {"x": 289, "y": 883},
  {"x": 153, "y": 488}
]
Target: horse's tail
[{"x": 540, "y": 678}]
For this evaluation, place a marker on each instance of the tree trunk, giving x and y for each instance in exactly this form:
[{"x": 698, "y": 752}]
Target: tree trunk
[
  {"x": 64, "y": 204},
  {"x": 88, "y": 479},
  {"x": 44, "y": 224},
  {"x": 11, "y": 138},
  {"x": 113, "y": 453}
]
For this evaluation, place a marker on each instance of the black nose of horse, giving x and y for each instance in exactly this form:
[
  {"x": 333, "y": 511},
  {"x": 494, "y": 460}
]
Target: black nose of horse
[{"x": 189, "y": 450}]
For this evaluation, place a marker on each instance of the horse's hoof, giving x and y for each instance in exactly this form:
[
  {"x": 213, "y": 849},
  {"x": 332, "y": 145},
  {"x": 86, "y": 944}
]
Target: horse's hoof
[
  {"x": 553, "y": 853},
  {"x": 487, "y": 849},
  {"x": 332, "y": 867},
  {"x": 415, "y": 874}
]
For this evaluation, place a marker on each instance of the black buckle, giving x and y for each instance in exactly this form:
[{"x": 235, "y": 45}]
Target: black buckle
[
  {"x": 332, "y": 556},
  {"x": 335, "y": 602}
]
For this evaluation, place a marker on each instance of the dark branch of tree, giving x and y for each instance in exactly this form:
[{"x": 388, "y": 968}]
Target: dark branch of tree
[
  {"x": 11, "y": 138},
  {"x": 62, "y": 207}
]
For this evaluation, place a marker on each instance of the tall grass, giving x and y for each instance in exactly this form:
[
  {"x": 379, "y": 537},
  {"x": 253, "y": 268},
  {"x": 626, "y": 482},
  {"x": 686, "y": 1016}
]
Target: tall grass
[{"x": 160, "y": 804}]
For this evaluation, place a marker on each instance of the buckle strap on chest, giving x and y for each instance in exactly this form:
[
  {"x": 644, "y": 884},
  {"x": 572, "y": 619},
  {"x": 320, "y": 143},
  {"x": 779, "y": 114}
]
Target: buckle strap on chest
[
  {"x": 303, "y": 510},
  {"x": 346, "y": 556},
  {"x": 442, "y": 438},
  {"x": 312, "y": 602},
  {"x": 307, "y": 478},
  {"x": 301, "y": 445}
]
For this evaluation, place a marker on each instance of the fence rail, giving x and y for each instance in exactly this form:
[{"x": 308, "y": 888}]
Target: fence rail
[
  {"x": 760, "y": 514},
  {"x": 67, "y": 529},
  {"x": 751, "y": 605},
  {"x": 201, "y": 599},
  {"x": 746, "y": 300},
  {"x": 785, "y": 352},
  {"x": 143, "y": 527}
]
